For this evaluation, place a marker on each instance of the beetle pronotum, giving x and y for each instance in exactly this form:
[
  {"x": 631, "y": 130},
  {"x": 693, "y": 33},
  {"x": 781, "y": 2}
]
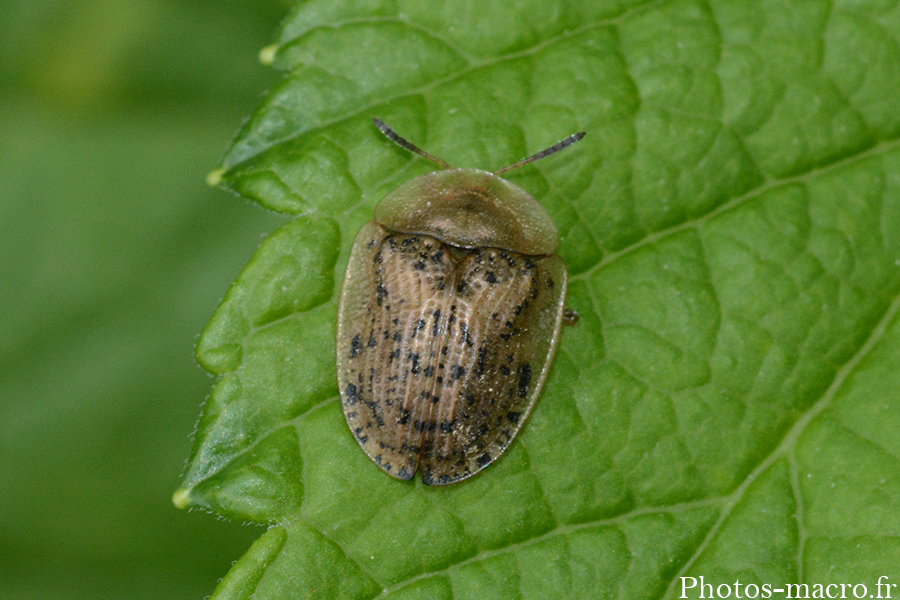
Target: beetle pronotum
[{"x": 448, "y": 319}]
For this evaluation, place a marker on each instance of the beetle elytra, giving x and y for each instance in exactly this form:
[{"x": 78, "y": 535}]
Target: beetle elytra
[{"x": 448, "y": 320}]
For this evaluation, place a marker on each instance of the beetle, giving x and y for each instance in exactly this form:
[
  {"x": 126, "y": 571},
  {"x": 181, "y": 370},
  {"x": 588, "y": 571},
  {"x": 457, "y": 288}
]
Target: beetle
[{"x": 448, "y": 320}]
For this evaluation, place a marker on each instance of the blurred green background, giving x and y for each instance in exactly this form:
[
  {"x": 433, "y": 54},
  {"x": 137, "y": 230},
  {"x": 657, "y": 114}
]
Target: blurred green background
[{"x": 114, "y": 255}]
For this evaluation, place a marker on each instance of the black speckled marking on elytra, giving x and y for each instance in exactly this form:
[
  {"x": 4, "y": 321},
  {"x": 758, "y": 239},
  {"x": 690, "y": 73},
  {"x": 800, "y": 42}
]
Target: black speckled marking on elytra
[
  {"x": 447, "y": 355},
  {"x": 479, "y": 365},
  {"x": 524, "y": 379},
  {"x": 420, "y": 325},
  {"x": 351, "y": 395}
]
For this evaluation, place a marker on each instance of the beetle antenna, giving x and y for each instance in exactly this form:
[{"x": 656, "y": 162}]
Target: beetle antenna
[
  {"x": 392, "y": 135},
  {"x": 543, "y": 153}
]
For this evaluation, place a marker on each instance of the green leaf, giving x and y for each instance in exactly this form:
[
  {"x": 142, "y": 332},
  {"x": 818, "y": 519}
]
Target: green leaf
[{"x": 727, "y": 407}]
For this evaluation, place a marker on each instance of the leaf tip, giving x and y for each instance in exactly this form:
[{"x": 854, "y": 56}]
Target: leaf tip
[
  {"x": 214, "y": 178},
  {"x": 181, "y": 498},
  {"x": 267, "y": 54}
]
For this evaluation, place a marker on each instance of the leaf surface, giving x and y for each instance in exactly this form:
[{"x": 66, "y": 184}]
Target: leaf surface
[{"x": 727, "y": 406}]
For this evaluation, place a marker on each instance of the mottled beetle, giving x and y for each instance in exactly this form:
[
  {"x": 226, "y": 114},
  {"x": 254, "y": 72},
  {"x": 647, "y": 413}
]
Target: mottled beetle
[{"x": 448, "y": 319}]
